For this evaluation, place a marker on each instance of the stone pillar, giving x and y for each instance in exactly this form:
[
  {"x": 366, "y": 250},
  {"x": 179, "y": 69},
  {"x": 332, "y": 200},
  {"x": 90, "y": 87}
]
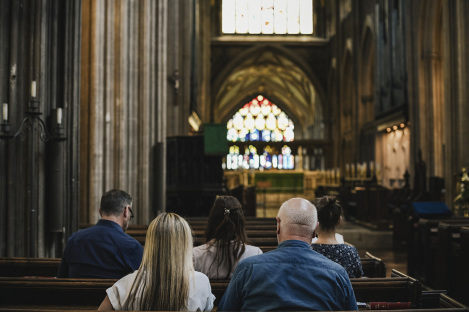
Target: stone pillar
[{"x": 124, "y": 104}]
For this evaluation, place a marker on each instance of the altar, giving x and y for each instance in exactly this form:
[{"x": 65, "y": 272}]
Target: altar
[{"x": 273, "y": 187}]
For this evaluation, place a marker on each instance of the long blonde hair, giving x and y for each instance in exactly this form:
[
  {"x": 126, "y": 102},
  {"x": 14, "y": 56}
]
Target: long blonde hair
[{"x": 162, "y": 281}]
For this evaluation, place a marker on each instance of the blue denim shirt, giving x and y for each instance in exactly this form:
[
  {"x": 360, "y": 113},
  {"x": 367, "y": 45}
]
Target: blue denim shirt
[
  {"x": 292, "y": 277},
  {"x": 100, "y": 251}
]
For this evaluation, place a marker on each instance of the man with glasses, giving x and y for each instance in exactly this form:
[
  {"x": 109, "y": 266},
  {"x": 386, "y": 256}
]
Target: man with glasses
[{"x": 104, "y": 250}]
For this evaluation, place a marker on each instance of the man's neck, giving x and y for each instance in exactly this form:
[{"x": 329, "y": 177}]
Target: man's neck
[
  {"x": 295, "y": 237},
  {"x": 113, "y": 219}
]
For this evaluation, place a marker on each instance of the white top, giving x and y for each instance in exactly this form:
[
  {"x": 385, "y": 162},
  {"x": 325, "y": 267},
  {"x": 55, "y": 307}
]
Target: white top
[
  {"x": 338, "y": 237},
  {"x": 203, "y": 257},
  {"x": 200, "y": 293}
]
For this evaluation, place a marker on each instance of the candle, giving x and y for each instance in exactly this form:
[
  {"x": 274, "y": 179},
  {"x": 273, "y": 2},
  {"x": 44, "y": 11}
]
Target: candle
[
  {"x": 33, "y": 89},
  {"x": 59, "y": 116},
  {"x": 5, "y": 112}
]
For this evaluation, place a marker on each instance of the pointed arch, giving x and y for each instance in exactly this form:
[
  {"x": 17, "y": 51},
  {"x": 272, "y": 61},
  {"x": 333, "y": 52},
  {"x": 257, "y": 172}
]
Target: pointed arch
[{"x": 278, "y": 74}]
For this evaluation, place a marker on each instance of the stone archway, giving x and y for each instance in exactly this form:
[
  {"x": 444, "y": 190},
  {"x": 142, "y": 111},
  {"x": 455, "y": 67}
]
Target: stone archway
[{"x": 272, "y": 72}]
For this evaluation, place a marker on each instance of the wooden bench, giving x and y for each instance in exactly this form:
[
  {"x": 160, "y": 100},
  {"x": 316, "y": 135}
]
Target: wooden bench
[
  {"x": 51, "y": 293},
  {"x": 450, "y": 262},
  {"x": 203, "y": 226},
  {"x": 432, "y": 298},
  {"x": 462, "y": 284},
  {"x": 201, "y": 233},
  {"x": 17, "y": 267},
  {"x": 422, "y": 260},
  {"x": 373, "y": 266}
]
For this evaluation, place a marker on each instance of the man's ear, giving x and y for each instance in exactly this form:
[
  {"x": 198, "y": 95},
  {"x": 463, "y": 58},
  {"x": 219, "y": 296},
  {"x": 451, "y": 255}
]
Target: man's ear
[
  {"x": 126, "y": 212},
  {"x": 278, "y": 224}
]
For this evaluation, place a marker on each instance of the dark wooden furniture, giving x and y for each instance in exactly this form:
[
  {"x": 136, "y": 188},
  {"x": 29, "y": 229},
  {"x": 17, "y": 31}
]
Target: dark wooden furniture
[{"x": 20, "y": 292}]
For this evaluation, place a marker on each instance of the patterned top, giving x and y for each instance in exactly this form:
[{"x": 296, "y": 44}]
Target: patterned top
[{"x": 345, "y": 255}]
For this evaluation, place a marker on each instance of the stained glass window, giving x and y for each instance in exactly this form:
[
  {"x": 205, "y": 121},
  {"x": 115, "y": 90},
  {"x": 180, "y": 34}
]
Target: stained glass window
[
  {"x": 267, "y": 16},
  {"x": 260, "y": 120}
]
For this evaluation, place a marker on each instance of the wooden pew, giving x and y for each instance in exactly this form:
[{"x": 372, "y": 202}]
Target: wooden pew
[
  {"x": 432, "y": 298},
  {"x": 201, "y": 233},
  {"x": 373, "y": 266},
  {"x": 424, "y": 259},
  {"x": 52, "y": 293},
  {"x": 47, "y": 267},
  {"x": 203, "y": 226},
  {"x": 462, "y": 284},
  {"x": 449, "y": 262},
  {"x": 17, "y": 266},
  {"x": 18, "y": 292}
]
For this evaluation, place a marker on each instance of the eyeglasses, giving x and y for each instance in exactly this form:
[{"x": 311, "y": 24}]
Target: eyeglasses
[{"x": 131, "y": 213}]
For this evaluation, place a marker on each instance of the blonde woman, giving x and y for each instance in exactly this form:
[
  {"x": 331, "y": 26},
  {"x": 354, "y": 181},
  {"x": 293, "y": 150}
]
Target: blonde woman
[{"x": 165, "y": 280}]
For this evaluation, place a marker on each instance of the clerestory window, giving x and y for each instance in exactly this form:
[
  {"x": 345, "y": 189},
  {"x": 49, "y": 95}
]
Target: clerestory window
[{"x": 282, "y": 17}]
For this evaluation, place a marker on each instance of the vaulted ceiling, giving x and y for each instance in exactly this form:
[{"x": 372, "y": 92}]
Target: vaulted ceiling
[{"x": 274, "y": 76}]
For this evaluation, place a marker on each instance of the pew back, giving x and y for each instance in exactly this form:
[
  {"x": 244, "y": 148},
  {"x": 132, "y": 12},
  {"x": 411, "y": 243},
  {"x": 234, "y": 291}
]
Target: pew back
[
  {"x": 88, "y": 293},
  {"x": 18, "y": 267}
]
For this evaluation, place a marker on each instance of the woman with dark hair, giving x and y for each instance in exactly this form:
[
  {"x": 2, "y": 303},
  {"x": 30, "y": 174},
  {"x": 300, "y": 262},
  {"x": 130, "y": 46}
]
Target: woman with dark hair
[
  {"x": 226, "y": 240},
  {"x": 330, "y": 217}
]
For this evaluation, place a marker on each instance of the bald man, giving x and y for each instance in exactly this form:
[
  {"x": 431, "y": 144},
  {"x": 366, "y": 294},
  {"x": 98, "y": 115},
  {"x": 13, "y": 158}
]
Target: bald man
[{"x": 293, "y": 277}]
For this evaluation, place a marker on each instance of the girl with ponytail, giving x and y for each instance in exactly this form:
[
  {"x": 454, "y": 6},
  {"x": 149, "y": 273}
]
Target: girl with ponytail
[
  {"x": 330, "y": 218},
  {"x": 226, "y": 240}
]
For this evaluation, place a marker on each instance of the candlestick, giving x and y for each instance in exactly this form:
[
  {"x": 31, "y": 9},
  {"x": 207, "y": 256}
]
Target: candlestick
[
  {"x": 59, "y": 115},
  {"x": 33, "y": 122},
  {"x": 5, "y": 112},
  {"x": 33, "y": 89}
]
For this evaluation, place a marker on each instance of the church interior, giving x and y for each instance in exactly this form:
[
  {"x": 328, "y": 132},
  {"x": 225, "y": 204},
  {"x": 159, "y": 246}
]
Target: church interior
[{"x": 177, "y": 102}]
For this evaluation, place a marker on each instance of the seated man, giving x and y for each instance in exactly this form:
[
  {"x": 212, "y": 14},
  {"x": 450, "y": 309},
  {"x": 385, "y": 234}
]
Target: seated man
[
  {"x": 104, "y": 250},
  {"x": 292, "y": 277}
]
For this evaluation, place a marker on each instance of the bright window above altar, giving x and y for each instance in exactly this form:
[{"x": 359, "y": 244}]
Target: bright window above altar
[
  {"x": 279, "y": 17},
  {"x": 260, "y": 120}
]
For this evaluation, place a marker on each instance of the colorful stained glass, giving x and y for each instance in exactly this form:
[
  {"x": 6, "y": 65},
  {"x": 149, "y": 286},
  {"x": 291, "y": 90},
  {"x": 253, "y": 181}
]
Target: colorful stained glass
[
  {"x": 249, "y": 122},
  {"x": 260, "y": 120},
  {"x": 276, "y": 110},
  {"x": 265, "y": 108},
  {"x": 232, "y": 135},
  {"x": 244, "y": 110},
  {"x": 266, "y": 135},
  {"x": 238, "y": 121},
  {"x": 266, "y": 116}
]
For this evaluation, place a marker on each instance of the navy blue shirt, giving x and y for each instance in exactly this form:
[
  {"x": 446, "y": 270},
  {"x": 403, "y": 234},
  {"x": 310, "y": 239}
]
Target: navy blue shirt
[
  {"x": 100, "y": 251},
  {"x": 292, "y": 277}
]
